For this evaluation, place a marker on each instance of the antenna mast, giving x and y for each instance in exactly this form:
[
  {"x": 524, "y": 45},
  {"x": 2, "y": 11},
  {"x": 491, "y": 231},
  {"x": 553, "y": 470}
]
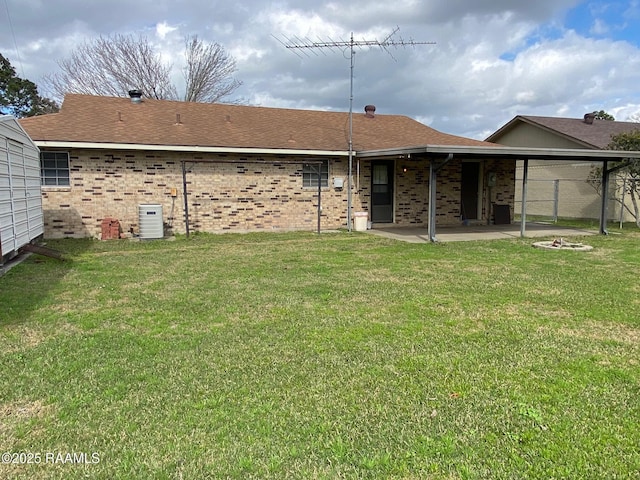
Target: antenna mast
[{"x": 351, "y": 44}]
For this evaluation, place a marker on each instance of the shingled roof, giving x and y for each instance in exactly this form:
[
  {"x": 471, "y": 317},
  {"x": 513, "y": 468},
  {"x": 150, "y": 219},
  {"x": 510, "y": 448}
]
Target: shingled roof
[
  {"x": 94, "y": 119},
  {"x": 596, "y": 135}
]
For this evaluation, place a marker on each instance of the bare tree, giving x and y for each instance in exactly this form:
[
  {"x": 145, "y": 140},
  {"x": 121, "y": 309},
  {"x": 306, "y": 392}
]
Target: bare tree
[
  {"x": 208, "y": 73},
  {"x": 114, "y": 65}
]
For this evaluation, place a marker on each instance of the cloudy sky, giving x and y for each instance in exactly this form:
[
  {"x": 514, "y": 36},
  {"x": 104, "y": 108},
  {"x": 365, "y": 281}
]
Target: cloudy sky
[{"x": 493, "y": 59}]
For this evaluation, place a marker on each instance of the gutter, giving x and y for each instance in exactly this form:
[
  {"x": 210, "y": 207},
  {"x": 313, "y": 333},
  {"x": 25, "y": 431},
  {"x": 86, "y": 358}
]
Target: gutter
[
  {"x": 497, "y": 151},
  {"x": 42, "y": 144}
]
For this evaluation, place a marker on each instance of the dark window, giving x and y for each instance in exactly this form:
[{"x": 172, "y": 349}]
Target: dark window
[
  {"x": 54, "y": 169},
  {"x": 310, "y": 174}
]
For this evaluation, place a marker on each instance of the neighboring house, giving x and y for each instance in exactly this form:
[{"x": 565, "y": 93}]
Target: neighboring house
[
  {"x": 561, "y": 186},
  {"x": 247, "y": 168},
  {"x": 21, "y": 219}
]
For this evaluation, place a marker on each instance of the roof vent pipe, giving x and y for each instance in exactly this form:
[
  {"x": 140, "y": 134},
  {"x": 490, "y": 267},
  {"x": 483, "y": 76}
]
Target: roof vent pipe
[
  {"x": 370, "y": 111},
  {"x": 588, "y": 118},
  {"x": 136, "y": 96}
]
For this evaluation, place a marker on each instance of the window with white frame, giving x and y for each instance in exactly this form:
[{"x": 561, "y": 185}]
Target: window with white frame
[
  {"x": 54, "y": 169},
  {"x": 310, "y": 174}
]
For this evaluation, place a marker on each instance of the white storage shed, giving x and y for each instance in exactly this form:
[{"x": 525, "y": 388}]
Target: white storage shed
[{"x": 21, "y": 218}]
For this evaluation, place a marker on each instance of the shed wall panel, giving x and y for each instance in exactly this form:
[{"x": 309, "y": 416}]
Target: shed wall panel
[{"x": 21, "y": 218}]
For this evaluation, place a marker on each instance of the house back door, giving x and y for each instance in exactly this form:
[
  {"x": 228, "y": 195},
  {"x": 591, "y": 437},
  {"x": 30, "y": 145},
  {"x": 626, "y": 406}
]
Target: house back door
[
  {"x": 382, "y": 192},
  {"x": 470, "y": 190}
]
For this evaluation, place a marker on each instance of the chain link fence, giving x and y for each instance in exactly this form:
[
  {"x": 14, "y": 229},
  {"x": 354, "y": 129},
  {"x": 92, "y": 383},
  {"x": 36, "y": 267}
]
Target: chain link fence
[{"x": 550, "y": 199}]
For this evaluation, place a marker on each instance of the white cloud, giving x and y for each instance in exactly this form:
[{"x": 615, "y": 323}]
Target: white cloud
[
  {"x": 299, "y": 24},
  {"x": 600, "y": 27},
  {"x": 163, "y": 29},
  {"x": 629, "y": 112}
]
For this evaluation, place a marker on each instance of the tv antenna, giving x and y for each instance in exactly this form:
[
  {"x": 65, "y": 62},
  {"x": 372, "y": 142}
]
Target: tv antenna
[{"x": 305, "y": 45}]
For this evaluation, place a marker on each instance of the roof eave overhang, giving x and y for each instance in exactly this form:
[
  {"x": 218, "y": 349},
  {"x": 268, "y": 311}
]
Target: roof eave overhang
[
  {"x": 188, "y": 148},
  {"x": 514, "y": 153}
]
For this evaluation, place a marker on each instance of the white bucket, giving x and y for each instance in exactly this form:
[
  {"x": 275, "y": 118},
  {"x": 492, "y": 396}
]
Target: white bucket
[{"x": 360, "y": 221}]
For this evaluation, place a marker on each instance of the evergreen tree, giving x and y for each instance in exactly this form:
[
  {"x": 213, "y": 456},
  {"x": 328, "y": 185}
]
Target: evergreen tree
[{"x": 18, "y": 96}]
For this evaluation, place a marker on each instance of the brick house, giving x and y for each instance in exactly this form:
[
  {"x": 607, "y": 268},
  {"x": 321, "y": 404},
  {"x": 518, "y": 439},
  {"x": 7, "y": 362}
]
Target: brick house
[{"x": 244, "y": 168}]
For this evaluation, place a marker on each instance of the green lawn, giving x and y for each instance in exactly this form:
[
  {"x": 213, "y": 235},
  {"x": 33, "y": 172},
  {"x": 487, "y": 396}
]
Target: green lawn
[{"x": 322, "y": 356}]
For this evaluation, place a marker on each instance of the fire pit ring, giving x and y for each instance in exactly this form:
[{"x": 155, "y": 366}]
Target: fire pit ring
[{"x": 562, "y": 244}]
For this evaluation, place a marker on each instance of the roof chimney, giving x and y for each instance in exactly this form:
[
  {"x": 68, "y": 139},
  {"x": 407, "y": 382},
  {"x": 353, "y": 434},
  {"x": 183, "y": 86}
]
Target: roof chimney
[
  {"x": 370, "y": 111},
  {"x": 588, "y": 118},
  {"x": 136, "y": 96}
]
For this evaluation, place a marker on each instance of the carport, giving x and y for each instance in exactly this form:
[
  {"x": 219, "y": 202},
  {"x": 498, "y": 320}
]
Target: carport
[{"x": 441, "y": 155}]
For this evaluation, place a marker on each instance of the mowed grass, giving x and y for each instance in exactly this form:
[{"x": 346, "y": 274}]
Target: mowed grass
[{"x": 323, "y": 356}]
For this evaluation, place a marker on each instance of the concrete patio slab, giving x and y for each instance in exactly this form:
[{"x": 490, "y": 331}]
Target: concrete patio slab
[{"x": 479, "y": 232}]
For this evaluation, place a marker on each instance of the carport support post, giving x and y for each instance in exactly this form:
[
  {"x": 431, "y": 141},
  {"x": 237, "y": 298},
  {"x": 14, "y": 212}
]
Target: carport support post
[
  {"x": 556, "y": 199},
  {"x": 523, "y": 207},
  {"x": 319, "y": 195},
  {"x": 432, "y": 202},
  {"x": 605, "y": 198}
]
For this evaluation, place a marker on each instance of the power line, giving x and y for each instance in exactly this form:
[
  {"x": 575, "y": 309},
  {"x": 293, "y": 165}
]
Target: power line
[
  {"x": 6, "y": 4},
  {"x": 305, "y": 45}
]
